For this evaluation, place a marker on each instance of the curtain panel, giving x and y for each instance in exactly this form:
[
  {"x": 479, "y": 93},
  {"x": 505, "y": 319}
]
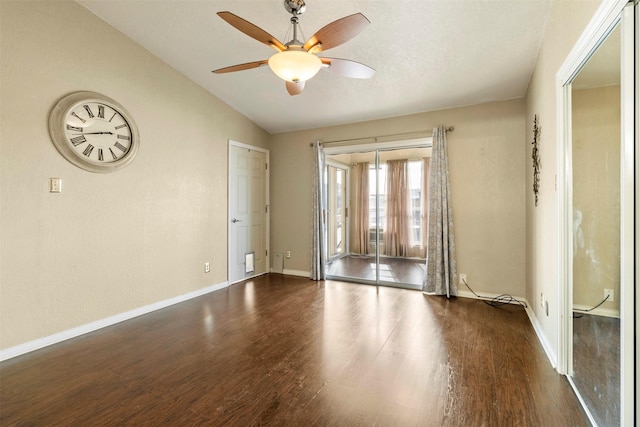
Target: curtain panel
[
  {"x": 397, "y": 237},
  {"x": 441, "y": 253},
  {"x": 359, "y": 210}
]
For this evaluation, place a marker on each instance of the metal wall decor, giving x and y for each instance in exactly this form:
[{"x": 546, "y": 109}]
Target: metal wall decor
[{"x": 535, "y": 155}]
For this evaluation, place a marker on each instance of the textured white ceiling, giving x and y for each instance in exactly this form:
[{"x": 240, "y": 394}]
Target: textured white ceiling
[{"x": 428, "y": 54}]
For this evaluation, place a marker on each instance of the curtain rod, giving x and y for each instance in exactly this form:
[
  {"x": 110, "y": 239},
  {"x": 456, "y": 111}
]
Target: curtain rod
[{"x": 417, "y": 134}]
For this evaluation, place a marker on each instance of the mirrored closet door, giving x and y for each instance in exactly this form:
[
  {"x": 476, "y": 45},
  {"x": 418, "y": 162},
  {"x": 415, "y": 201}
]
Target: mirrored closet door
[
  {"x": 596, "y": 148},
  {"x": 598, "y": 206}
]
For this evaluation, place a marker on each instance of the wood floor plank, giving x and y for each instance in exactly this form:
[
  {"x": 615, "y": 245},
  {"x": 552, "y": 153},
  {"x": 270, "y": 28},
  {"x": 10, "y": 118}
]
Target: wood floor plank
[{"x": 281, "y": 350}]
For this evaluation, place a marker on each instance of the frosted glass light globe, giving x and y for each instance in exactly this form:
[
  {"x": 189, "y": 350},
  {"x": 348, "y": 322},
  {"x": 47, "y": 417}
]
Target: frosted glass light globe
[{"x": 295, "y": 65}]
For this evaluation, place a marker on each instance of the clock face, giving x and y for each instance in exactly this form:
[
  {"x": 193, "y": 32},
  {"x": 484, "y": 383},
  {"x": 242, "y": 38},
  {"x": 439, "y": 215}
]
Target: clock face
[
  {"x": 98, "y": 132},
  {"x": 93, "y": 132}
]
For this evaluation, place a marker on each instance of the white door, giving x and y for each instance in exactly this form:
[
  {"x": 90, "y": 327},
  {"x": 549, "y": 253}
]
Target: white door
[{"x": 247, "y": 212}]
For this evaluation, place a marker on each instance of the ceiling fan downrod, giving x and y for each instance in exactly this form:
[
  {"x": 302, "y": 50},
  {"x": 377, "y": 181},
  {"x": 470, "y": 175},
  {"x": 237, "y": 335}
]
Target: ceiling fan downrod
[
  {"x": 295, "y": 41},
  {"x": 295, "y": 8}
]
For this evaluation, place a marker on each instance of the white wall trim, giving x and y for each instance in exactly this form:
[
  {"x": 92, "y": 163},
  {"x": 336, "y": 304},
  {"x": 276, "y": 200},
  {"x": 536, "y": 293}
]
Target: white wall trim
[
  {"x": 553, "y": 357},
  {"x": 487, "y": 296},
  {"x": 296, "y": 273},
  {"x": 103, "y": 323},
  {"x": 604, "y": 19}
]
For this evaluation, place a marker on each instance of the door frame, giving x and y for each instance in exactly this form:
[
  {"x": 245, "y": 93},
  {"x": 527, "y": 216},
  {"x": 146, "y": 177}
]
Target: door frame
[
  {"x": 609, "y": 14},
  {"x": 395, "y": 144},
  {"x": 346, "y": 201},
  {"x": 267, "y": 203}
]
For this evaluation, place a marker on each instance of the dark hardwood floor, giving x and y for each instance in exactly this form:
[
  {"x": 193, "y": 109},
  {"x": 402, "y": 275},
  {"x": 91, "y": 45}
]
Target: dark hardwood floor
[{"x": 286, "y": 351}]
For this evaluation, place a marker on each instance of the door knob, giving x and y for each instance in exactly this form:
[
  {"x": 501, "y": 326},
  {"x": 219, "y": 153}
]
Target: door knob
[{"x": 234, "y": 220}]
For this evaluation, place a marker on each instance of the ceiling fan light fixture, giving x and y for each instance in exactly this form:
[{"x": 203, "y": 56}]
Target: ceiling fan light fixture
[{"x": 295, "y": 65}]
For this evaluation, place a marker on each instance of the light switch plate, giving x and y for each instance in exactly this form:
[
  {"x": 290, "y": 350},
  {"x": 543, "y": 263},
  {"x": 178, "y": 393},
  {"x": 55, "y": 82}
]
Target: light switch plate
[{"x": 55, "y": 185}]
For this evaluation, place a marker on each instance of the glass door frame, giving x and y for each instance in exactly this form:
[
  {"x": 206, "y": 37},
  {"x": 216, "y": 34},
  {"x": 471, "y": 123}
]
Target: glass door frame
[
  {"x": 345, "y": 204},
  {"x": 376, "y": 148}
]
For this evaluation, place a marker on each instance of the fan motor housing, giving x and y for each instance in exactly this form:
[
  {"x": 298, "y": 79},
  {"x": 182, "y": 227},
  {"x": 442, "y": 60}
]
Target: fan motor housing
[{"x": 295, "y": 7}]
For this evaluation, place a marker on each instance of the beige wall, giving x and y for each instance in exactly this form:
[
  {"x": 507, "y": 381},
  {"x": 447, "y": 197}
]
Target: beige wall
[
  {"x": 486, "y": 157},
  {"x": 567, "y": 21},
  {"x": 108, "y": 243},
  {"x": 112, "y": 243},
  {"x": 596, "y": 195}
]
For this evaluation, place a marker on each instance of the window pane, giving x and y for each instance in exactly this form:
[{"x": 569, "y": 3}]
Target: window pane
[
  {"x": 382, "y": 198},
  {"x": 415, "y": 185}
]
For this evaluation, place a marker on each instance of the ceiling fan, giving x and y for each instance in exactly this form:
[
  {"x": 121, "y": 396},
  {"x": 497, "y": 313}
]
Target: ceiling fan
[{"x": 296, "y": 62}]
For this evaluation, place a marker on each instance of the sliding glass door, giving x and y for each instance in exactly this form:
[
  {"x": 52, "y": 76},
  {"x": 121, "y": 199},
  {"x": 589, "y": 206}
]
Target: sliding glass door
[{"x": 385, "y": 217}]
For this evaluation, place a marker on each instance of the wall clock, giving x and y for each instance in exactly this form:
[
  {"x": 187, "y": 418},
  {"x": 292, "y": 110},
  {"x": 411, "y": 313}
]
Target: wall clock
[{"x": 93, "y": 132}]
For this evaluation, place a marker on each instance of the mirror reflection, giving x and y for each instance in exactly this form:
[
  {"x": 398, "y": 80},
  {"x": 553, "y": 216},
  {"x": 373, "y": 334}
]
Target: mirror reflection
[{"x": 596, "y": 142}]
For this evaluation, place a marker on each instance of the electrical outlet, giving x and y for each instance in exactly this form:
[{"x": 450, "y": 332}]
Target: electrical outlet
[
  {"x": 207, "y": 267},
  {"x": 609, "y": 293},
  {"x": 463, "y": 279},
  {"x": 287, "y": 254}
]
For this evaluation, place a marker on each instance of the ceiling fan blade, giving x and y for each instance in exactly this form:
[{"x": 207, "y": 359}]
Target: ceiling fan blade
[
  {"x": 336, "y": 33},
  {"x": 348, "y": 68},
  {"x": 252, "y": 30},
  {"x": 295, "y": 88},
  {"x": 241, "y": 67}
]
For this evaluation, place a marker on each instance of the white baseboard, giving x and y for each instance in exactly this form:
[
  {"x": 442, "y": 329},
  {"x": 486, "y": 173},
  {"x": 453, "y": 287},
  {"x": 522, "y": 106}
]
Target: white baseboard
[
  {"x": 553, "y": 358},
  {"x": 487, "y": 296},
  {"x": 103, "y": 323},
  {"x": 296, "y": 273},
  {"x": 605, "y": 312}
]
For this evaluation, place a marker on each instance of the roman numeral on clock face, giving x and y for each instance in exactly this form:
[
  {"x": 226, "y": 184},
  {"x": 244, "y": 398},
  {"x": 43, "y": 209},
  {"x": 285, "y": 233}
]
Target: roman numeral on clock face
[
  {"x": 100, "y": 155},
  {"x": 76, "y": 128},
  {"x": 78, "y": 117},
  {"x": 120, "y": 146},
  {"x": 101, "y": 111},
  {"x": 125, "y": 137},
  {"x": 113, "y": 154},
  {"x": 89, "y": 112},
  {"x": 78, "y": 140},
  {"x": 87, "y": 151}
]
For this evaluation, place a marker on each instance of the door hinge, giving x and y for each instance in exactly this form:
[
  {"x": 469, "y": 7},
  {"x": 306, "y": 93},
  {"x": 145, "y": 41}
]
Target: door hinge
[
  {"x": 266, "y": 165},
  {"x": 266, "y": 252}
]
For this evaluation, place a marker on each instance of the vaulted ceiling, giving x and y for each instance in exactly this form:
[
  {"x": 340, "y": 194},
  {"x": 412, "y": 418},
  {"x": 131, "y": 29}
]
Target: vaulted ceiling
[{"x": 428, "y": 54}]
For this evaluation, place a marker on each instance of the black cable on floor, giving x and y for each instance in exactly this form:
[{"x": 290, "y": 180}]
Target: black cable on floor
[
  {"x": 498, "y": 301},
  {"x": 576, "y": 316}
]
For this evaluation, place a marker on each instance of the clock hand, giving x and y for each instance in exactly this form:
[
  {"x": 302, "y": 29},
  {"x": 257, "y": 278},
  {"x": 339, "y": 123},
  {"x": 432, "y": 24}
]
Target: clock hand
[{"x": 94, "y": 133}]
